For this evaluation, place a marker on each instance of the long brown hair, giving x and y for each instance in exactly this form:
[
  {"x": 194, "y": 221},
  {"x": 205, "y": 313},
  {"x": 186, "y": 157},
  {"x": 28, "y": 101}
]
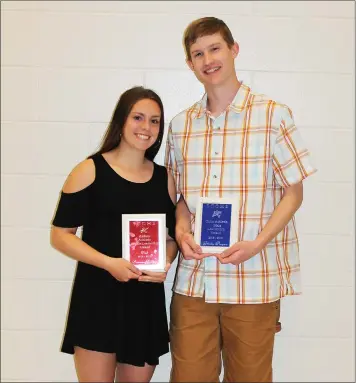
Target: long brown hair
[{"x": 127, "y": 100}]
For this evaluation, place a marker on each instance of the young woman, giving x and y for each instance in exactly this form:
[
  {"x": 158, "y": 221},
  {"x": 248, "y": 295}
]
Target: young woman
[{"x": 117, "y": 325}]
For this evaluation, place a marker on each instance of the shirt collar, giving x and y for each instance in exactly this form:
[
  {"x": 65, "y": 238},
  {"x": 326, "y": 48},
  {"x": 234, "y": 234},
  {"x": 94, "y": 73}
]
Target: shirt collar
[{"x": 237, "y": 105}]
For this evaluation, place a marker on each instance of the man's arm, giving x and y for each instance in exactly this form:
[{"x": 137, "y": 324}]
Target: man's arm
[
  {"x": 183, "y": 221},
  {"x": 291, "y": 165},
  {"x": 284, "y": 212}
]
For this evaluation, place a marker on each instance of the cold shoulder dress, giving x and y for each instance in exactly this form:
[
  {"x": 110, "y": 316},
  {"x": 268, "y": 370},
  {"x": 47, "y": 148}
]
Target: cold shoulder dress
[{"x": 106, "y": 315}]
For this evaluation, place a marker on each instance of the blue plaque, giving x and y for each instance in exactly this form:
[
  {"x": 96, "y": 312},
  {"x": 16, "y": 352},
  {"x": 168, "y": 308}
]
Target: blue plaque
[{"x": 215, "y": 223}]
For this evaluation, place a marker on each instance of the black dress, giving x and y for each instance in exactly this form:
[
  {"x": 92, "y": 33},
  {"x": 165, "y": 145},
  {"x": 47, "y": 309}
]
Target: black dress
[{"x": 126, "y": 318}]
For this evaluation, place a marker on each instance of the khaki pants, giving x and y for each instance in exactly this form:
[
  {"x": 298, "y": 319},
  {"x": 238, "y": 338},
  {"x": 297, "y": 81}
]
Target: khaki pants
[{"x": 243, "y": 333}]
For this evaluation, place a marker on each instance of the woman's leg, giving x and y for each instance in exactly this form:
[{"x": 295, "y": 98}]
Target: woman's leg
[
  {"x": 128, "y": 373},
  {"x": 94, "y": 366}
]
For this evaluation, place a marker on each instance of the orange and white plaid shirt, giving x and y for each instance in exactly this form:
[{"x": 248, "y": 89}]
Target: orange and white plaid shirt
[{"x": 251, "y": 151}]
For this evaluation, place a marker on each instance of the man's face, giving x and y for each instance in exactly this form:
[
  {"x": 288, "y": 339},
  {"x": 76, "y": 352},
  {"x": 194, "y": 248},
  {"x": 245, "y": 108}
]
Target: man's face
[{"x": 212, "y": 60}]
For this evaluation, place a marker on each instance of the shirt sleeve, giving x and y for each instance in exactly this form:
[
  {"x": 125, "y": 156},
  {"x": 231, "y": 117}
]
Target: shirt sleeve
[
  {"x": 72, "y": 209},
  {"x": 170, "y": 160},
  {"x": 291, "y": 158}
]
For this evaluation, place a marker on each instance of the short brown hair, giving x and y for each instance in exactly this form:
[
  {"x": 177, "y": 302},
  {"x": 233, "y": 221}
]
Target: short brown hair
[{"x": 204, "y": 27}]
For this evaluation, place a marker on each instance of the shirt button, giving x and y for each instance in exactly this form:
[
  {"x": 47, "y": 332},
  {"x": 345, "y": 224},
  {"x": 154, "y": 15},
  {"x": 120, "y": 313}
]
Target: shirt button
[
  {"x": 215, "y": 176},
  {"x": 216, "y": 153},
  {"x": 218, "y": 128}
]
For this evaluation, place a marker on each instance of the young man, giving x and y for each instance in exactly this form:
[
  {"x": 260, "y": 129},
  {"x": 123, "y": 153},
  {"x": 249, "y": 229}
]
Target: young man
[{"x": 232, "y": 143}]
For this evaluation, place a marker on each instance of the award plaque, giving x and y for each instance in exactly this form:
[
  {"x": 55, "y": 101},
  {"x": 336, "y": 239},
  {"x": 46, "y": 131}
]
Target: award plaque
[
  {"x": 144, "y": 240},
  {"x": 215, "y": 224}
]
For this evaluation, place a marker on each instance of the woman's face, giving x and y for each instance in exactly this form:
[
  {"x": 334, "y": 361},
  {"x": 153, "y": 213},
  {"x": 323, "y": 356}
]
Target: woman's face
[{"x": 142, "y": 125}]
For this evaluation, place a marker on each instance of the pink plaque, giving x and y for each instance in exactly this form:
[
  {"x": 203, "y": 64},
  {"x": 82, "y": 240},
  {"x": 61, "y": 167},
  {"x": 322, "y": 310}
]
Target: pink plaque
[
  {"x": 144, "y": 240},
  {"x": 144, "y": 244}
]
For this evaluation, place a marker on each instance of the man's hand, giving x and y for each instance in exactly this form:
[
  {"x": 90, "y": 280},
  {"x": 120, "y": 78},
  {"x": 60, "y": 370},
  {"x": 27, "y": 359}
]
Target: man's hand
[
  {"x": 154, "y": 276},
  {"x": 189, "y": 248},
  {"x": 239, "y": 252},
  {"x": 184, "y": 237}
]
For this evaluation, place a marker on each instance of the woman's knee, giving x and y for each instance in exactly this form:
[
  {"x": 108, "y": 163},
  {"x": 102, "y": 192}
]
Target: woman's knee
[
  {"x": 94, "y": 366},
  {"x": 132, "y": 374}
]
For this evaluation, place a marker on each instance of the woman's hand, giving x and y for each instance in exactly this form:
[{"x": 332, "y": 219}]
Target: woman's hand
[
  {"x": 122, "y": 270},
  {"x": 154, "y": 276}
]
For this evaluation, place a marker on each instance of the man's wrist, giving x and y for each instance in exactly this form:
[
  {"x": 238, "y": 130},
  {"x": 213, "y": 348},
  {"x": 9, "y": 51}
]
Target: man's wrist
[{"x": 260, "y": 243}]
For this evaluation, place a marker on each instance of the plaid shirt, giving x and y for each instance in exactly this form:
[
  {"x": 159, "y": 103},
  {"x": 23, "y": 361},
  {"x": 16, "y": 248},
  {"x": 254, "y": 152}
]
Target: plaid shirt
[{"x": 251, "y": 151}]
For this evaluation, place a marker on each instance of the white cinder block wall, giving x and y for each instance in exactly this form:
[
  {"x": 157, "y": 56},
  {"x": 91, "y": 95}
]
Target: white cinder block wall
[{"x": 64, "y": 65}]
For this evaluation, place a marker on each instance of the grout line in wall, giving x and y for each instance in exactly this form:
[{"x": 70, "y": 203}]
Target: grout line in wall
[
  {"x": 4, "y": 380},
  {"x": 349, "y": 234},
  {"x": 39, "y": 279},
  {"x": 180, "y": 69},
  {"x": 326, "y": 234},
  {"x": 39, "y": 175},
  {"x": 52, "y": 122},
  {"x": 249, "y": 14},
  {"x": 333, "y": 128}
]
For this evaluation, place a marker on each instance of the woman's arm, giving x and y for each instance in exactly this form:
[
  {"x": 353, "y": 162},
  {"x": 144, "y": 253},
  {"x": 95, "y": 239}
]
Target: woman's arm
[{"x": 66, "y": 241}]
